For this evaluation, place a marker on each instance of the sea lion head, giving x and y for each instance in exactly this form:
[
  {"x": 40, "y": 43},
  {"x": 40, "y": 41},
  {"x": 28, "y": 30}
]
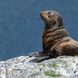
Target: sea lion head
[{"x": 51, "y": 18}]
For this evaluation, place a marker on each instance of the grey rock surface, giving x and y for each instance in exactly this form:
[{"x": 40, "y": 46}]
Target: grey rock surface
[{"x": 20, "y": 67}]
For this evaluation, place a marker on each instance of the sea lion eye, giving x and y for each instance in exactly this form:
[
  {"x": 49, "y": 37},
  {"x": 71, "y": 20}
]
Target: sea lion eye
[{"x": 48, "y": 15}]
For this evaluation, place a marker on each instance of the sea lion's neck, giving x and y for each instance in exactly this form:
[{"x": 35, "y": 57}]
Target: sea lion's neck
[
  {"x": 55, "y": 34},
  {"x": 51, "y": 28},
  {"x": 56, "y": 31}
]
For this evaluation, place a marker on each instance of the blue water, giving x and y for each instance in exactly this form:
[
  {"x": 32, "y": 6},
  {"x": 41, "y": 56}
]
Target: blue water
[{"x": 21, "y": 26}]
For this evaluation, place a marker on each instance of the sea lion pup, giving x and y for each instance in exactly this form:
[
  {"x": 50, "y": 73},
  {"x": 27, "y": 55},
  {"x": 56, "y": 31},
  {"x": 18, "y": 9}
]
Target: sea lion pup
[{"x": 56, "y": 41}]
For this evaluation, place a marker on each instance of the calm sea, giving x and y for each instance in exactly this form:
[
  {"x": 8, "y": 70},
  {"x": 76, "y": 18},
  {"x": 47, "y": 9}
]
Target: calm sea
[{"x": 21, "y": 25}]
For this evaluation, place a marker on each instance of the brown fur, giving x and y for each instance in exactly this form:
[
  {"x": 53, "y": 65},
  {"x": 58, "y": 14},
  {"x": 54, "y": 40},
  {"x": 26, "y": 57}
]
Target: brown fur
[
  {"x": 55, "y": 37},
  {"x": 56, "y": 41}
]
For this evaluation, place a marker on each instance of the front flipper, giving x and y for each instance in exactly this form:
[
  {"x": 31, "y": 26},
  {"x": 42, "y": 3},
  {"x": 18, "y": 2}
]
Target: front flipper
[
  {"x": 40, "y": 56},
  {"x": 39, "y": 59},
  {"x": 37, "y": 54}
]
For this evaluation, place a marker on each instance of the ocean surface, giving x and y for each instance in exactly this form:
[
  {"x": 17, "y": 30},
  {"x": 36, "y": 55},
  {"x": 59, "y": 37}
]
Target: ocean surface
[{"x": 21, "y": 26}]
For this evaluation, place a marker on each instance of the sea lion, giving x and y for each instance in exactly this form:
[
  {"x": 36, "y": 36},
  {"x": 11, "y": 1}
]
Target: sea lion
[{"x": 56, "y": 40}]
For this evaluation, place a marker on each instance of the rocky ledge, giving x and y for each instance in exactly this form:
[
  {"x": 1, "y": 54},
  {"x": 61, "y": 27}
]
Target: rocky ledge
[{"x": 20, "y": 67}]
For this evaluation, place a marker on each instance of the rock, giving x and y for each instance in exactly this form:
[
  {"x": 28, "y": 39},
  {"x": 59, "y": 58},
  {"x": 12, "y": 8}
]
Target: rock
[{"x": 20, "y": 67}]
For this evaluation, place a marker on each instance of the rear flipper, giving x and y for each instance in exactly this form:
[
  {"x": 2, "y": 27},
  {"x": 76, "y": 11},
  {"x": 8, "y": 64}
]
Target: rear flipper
[{"x": 40, "y": 56}]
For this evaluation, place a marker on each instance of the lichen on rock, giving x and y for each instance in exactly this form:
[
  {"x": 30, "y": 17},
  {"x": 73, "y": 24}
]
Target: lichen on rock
[{"x": 21, "y": 67}]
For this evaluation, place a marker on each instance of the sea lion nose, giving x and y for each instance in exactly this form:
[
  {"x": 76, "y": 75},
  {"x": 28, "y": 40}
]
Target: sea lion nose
[{"x": 41, "y": 13}]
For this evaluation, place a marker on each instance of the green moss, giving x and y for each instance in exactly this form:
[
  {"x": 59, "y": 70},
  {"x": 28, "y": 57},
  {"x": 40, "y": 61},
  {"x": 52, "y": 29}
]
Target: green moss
[
  {"x": 53, "y": 65},
  {"x": 52, "y": 73},
  {"x": 41, "y": 64},
  {"x": 59, "y": 61}
]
